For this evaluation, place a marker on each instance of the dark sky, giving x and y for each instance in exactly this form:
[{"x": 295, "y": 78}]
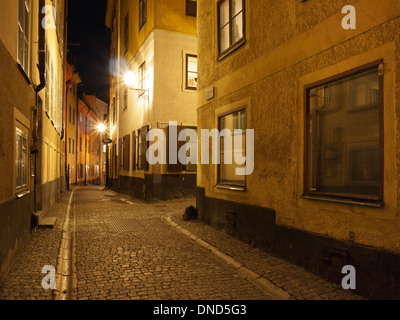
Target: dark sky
[{"x": 86, "y": 26}]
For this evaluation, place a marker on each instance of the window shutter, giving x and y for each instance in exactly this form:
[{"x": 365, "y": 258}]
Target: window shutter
[
  {"x": 134, "y": 150},
  {"x": 127, "y": 142},
  {"x": 120, "y": 152},
  {"x": 144, "y": 163}
]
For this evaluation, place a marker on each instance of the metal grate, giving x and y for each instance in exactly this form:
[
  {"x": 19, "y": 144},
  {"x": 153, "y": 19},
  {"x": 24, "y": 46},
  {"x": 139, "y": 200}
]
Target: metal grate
[{"x": 125, "y": 226}]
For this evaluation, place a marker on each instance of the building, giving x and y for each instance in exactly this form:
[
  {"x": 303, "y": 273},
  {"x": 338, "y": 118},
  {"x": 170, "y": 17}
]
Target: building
[
  {"x": 323, "y": 100},
  {"x": 89, "y": 144},
  {"x": 73, "y": 80},
  {"x": 155, "y": 43},
  {"x": 102, "y": 119},
  {"x": 32, "y": 135}
]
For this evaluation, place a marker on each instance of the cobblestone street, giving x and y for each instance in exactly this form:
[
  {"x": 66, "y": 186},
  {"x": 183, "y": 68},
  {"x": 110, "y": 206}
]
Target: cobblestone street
[{"x": 129, "y": 249}]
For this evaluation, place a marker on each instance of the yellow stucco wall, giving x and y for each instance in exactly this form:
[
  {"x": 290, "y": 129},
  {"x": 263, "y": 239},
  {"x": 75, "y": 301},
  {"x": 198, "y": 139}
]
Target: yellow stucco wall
[{"x": 291, "y": 44}]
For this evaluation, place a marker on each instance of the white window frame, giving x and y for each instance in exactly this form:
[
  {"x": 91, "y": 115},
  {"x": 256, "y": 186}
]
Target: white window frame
[{"x": 24, "y": 30}]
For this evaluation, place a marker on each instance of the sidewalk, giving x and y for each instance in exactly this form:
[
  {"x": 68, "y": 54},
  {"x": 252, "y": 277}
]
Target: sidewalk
[
  {"x": 296, "y": 281},
  {"x": 23, "y": 282}
]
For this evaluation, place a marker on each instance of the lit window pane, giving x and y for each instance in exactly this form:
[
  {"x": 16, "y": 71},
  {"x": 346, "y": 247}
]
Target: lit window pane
[
  {"x": 224, "y": 38},
  {"x": 228, "y": 171},
  {"x": 237, "y": 28},
  {"x": 224, "y": 13},
  {"x": 237, "y": 6}
]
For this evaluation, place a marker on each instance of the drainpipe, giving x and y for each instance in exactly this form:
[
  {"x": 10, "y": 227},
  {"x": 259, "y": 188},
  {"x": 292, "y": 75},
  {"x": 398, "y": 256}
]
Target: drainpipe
[{"x": 39, "y": 106}]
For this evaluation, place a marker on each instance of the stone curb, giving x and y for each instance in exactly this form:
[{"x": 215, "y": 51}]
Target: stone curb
[{"x": 259, "y": 281}]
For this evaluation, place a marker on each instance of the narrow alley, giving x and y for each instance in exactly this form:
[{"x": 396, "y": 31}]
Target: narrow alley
[{"x": 128, "y": 249}]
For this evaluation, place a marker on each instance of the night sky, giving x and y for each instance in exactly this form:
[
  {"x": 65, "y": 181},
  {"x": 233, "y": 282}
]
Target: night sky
[{"x": 86, "y": 26}]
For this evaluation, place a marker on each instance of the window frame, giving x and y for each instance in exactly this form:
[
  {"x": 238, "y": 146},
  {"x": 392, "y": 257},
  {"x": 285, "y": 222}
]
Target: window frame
[
  {"x": 232, "y": 46},
  {"x": 331, "y": 196},
  {"x": 187, "y": 8},
  {"x": 21, "y": 131},
  {"x": 187, "y": 87},
  {"x": 126, "y": 33},
  {"x": 26, "y": 31},
  {"x": 231, "y": 186},
  {"x": 142, "y": 14}
]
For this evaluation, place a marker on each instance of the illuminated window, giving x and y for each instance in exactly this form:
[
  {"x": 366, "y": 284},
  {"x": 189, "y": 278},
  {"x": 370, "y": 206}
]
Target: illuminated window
[
  {"x": 344, "y": 136},
  {"x": 191, "y": 72},
  {"x": 142, "y": 13},
  {"x": 231, "y": 25},
  {"x": 21, "y": 161},
  {"x": 191, "y": 8},
  {"x": 23, "y": 34},
  {"x": 227, "y": 172}
]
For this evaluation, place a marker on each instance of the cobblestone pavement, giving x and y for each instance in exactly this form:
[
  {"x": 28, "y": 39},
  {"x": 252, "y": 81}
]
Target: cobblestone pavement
[
  {"x": 124, "y": 250},
  {"x": 23, "y": 282}
]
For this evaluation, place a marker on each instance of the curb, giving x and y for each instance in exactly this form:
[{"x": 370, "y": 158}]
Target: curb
[{"x": 256, "y": 279}]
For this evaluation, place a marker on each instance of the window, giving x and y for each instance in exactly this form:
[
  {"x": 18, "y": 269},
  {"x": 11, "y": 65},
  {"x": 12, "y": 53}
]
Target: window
[
  {"x": 73, "y": 146},
  {"x": 142, "y": 145},
  {"x": 126, "y": 32},
  {"x": 69, "y": 145},
  {"x": 191, "y": 72},
  {"x": 191, "y": 8},
  {"x": 344, "y": 136},
  {"x": 125, "y": 104},
  {"x": 142, "y": 72},
  {"x": 142, "y": 13},
  {"x": 231, "y": 25},
  {"x": 80, "y": 144},
  {"x": 80, "y": 117},
  {"x": 139, "y": 152},
  {"x": 21, "y": 161},
  {"x": 70, "y": 114},
  {"x": 227, "y": 172},
  {"x": 23, "y": 34},
  {"x": 73, "y": 118}
]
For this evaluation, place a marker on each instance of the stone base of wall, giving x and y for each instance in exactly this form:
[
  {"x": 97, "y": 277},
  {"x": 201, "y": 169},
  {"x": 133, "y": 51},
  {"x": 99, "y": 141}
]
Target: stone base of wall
[
  {"x": 377, "y": 270},
  {"x": 157, "y": 186},
  {"x": 15, "y": 229}
]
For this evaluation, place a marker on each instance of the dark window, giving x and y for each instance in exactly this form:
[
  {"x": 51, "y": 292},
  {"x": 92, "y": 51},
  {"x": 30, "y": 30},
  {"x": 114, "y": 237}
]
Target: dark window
[
  {"x": 231, "y": 25},
  {"x": 142, "y": 146},
  {"x": 179, "y": 167},
  {"x": 227, "y": 172},
  {"x": 191, "y": 72},
  {"x": 69, "y": 145},
  {"x": 126, "y": 32},
  {"x": 142, "y": 13},
  {"x": 191, "y": 8},
  {"x": 344, "y": 136}
]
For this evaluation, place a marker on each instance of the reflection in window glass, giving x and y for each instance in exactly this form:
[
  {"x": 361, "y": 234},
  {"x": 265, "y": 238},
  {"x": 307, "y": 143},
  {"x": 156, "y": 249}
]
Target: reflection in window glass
[
  {"x": 227, "y": 171},
  {"x": 343, "y": 139}
]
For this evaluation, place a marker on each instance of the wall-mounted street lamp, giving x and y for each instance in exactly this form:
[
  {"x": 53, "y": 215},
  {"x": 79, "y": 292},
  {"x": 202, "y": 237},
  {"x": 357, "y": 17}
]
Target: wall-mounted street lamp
[{"x": 130, "y": 79}]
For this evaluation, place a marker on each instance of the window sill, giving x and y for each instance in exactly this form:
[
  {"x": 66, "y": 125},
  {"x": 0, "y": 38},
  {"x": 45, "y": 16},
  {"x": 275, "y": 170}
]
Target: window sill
[
  {"x": 230, "y": 187},
  {"x": 24, "y": 73},
  {"x": 365, "y": 203},
  {"x": 234, "y": 47},
  {"x": 22, "y": 194}
]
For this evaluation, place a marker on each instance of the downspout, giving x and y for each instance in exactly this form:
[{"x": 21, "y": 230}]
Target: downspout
[{"x": 39, "y": 107}]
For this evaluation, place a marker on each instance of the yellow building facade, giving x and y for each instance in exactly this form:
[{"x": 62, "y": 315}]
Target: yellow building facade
[
  {"x": 33, "y": 48},
  {"x": 155, "y": 42},
  {"x": 316, "y": 81}
]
